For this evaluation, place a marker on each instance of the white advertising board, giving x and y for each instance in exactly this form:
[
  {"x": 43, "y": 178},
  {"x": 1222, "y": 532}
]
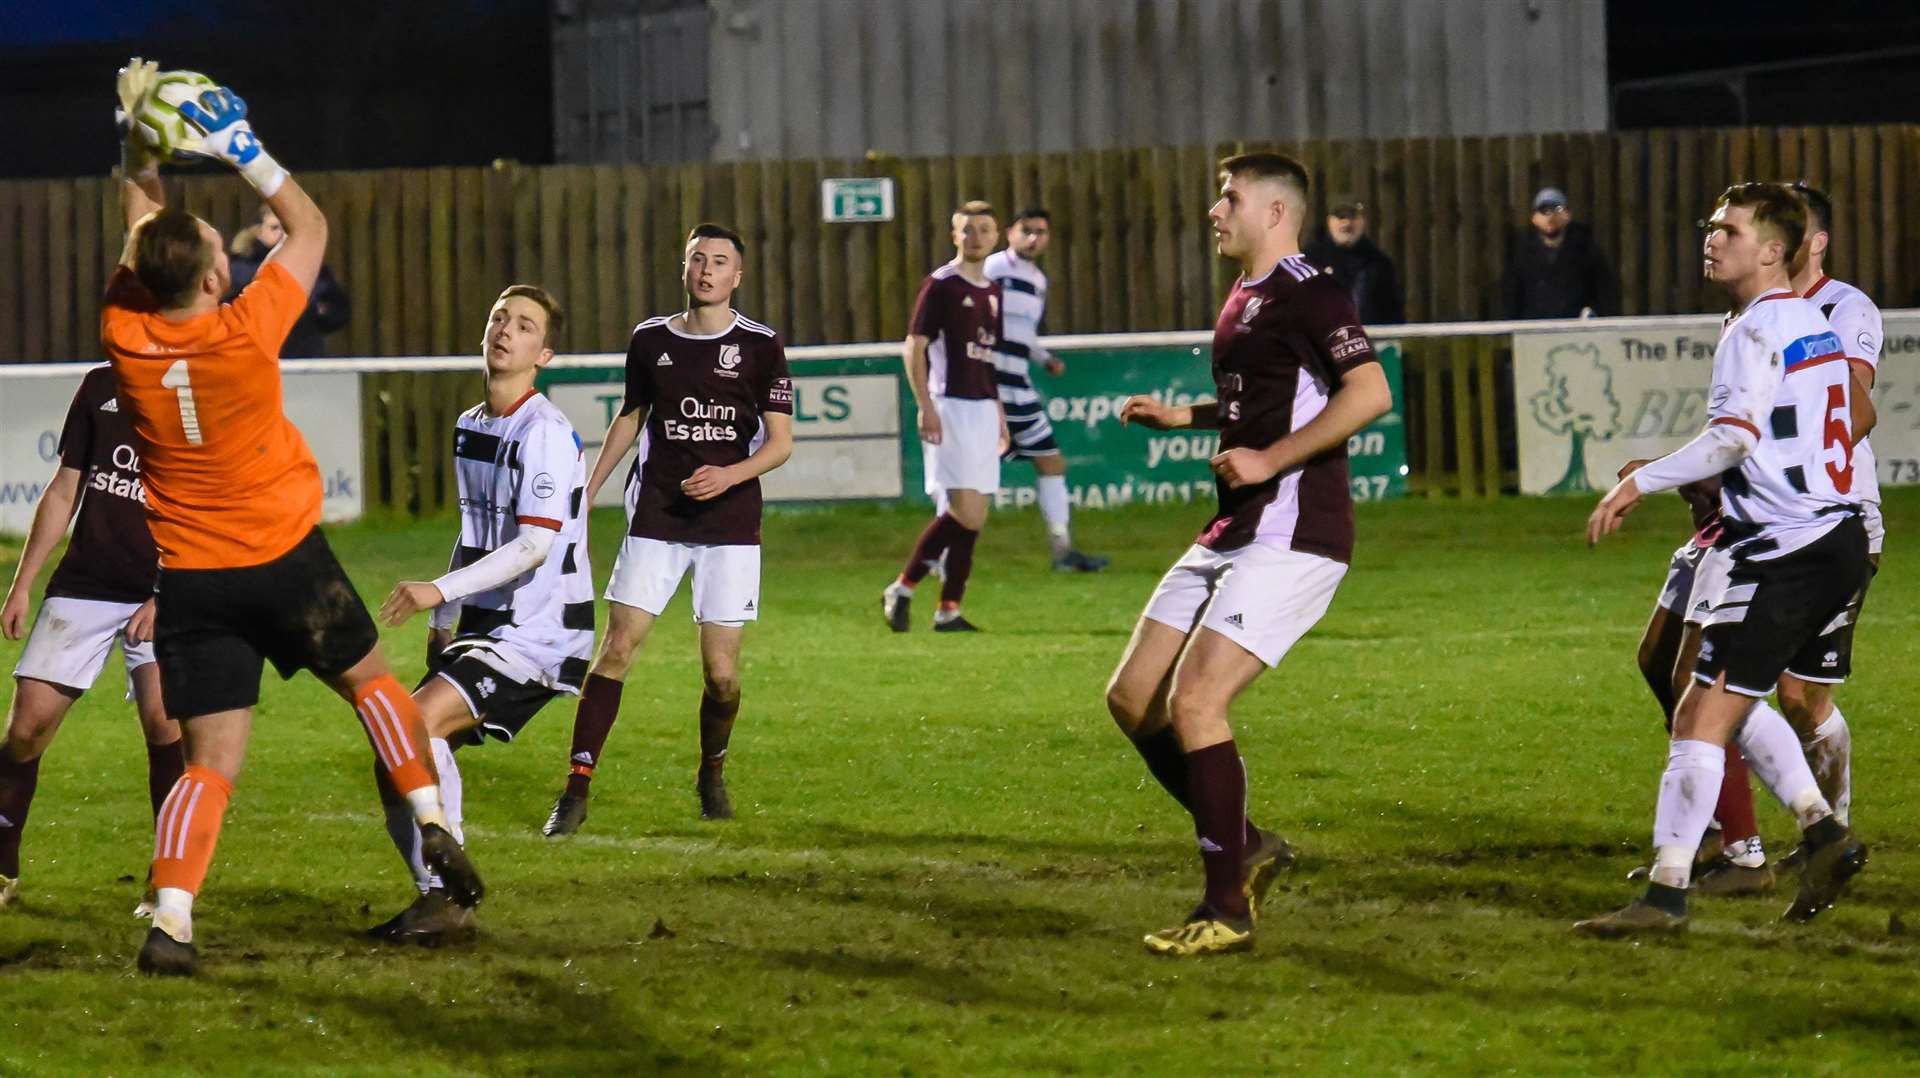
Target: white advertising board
[
  {"x": 1588, "y": 401},
  {"x": 325, "y": 406}
]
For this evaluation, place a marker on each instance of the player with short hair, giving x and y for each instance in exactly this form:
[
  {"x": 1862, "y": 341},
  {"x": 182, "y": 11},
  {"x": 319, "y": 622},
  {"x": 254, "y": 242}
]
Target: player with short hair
[
  {"x": 1295, "y": 377},
  {"x": 100, "y": 595},
  {"x": 512, "y": 623},
  {"x": 233, "y": 502},
  {"x": 710, "y": 388},
  {"x": 1780, "y": 436},
  {"x": 1023, "y": 302},
  {"x": 949, "y": 355}
]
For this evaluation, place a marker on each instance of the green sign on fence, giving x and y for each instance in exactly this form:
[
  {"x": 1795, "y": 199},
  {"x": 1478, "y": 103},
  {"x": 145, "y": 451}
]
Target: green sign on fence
[{"x": 856, "y": 198}]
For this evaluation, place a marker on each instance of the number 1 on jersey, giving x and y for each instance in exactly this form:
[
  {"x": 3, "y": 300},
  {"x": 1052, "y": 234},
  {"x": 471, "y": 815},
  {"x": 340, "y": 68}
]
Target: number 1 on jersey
[{"x": 177, "y": 380}]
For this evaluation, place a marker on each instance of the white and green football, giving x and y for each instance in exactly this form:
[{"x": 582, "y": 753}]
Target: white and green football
[{"x": 158, "y": 116}]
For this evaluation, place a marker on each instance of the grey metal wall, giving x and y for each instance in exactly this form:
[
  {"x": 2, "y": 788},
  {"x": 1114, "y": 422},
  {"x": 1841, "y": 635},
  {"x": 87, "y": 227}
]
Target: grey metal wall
[{"x": 836, "y": 78}]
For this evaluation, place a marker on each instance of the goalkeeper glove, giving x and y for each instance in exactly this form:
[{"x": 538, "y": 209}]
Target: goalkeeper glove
[
  {"x": 131, "y": 85},
  {"x": 221, "y": 118}
]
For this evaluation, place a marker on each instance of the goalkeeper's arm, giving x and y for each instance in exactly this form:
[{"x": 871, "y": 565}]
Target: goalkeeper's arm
[{"x": 305, "y": 247}]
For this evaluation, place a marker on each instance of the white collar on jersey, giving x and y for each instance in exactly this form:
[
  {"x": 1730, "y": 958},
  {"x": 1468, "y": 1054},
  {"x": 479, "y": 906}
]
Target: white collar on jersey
[
  {"x": 1771, "y": 293},
  {"x": 731, "y": 326}
]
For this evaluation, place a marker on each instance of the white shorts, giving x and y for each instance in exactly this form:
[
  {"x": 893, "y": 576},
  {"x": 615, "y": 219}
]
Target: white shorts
[
  {"x": 968, "y": 456},
  {"x": 1710, "y": 575},
  {"x": 1876, "y": 526},
  {"x": 1677, "y": 592},
  {"x": 71, "y": 639},
  {"x": 1262, "y": 597},
  {"x": 726, "y": 579}
]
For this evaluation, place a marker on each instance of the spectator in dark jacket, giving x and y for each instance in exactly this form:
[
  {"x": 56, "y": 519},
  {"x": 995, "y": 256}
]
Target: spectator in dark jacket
[
  {"x": 327, "y": 306},
  {"x": 1556, "y": 268},
  {"x": 1360, "y": 266}
]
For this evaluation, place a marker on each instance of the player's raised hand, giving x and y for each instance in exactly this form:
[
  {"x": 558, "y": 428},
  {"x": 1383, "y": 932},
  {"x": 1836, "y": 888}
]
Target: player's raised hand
[
  {"x": 140, "y": 625},
  {"x": 13, "y": 616},
  {"x": 1612, "y": 510},
  {"x": 930, "y": 430},
  {"x": 707, "y": 482},
  {"x": 130, "y": 86},
  {"x": 1153, "y": 414},
  {"x": 1243, "y": 467},
  {"x": 409, "y": 598},
  {"x": 220, "y": 115}
]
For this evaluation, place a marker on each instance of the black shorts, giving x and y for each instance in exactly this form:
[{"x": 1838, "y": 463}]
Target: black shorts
[
  {"x": 1792, "y": 614},
  {"x": 213, "y": 628},
  {"x": 503, "y": 704}
]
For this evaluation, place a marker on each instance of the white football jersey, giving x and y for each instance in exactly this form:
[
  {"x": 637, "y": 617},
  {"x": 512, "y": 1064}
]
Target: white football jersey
[
  {"x": 1856, "y": 321},
  {"x": 525, "y": 468},
  {"x": 1781, "y": 374},
  {"x": 1023, "y": 303}
]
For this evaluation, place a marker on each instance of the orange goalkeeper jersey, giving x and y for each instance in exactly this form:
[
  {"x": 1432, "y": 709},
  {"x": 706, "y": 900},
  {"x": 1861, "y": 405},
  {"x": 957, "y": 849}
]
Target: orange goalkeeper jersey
[{"x": 230, "y": 482}]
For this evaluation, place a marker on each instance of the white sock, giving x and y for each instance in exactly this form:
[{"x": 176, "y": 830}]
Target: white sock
[
  {"x": 173, "y": 913},
  {"x": 1747, "y": 852},
  {"x": 406, "y": 838},
  {"x": 1774, "y": 754},
  {"x": 1055, "y": 508},
  {"x": 1688, "y": 791},
  {"x": 451, "y": 794},
  {"x": 1830, "y": 755},
  {"x": 900, "y": 587},
  {"x": 426, "y": 806},
  {"x": 945, "y": 614}
]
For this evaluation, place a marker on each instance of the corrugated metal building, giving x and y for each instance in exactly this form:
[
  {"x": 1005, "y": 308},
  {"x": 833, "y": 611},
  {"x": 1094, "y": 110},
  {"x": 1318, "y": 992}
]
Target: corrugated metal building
[{"x": 836, "y": 78}]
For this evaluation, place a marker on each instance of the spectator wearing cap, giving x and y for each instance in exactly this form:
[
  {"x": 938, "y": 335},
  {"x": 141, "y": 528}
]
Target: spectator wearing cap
[
  {"x": 1556, "y": 269},
  {"x": 1362, "y": 268}
]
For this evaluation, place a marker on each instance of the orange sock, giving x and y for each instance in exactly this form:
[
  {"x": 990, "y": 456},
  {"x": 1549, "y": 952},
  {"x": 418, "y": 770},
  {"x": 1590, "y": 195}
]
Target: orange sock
[
  {"x": 399, "y": 739},
  {"x": 188, "y": 828}
]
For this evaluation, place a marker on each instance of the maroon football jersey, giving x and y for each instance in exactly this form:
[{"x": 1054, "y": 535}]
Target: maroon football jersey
[
  {"x": 1280, "y": 350},
  {"x": 705, "y": 397},
  {"x": 961, "y": 320},
  {"x": 111, "y": 557}
]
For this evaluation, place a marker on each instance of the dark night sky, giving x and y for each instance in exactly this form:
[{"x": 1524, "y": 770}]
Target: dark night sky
[{"x": 386, "y": 83}]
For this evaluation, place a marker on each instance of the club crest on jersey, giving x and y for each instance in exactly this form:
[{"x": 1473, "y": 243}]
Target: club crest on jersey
[
  {"x": 1250, "y": 311},
  {"x": 729, "y": 359}
]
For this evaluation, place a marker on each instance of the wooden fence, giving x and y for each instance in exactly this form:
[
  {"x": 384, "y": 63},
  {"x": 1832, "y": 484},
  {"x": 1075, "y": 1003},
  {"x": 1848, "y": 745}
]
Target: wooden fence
[{"x": 422, "y": 253}]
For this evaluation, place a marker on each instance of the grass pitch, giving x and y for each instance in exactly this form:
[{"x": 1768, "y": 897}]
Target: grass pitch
[{"x": 945, "y": 855}]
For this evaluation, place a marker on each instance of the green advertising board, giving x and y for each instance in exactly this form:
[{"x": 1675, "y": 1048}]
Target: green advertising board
[{"x": 855, "y": 434}]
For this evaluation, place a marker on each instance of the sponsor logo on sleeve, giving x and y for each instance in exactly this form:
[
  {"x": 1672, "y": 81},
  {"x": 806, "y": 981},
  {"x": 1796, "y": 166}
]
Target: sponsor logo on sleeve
[
  {"x": 543, "y": 485},
  {"x": 1347, "y": 342},
  {"x": 781, "y": 392}
]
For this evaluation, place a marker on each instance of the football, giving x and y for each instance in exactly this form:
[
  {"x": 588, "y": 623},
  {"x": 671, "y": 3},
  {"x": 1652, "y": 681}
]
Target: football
[{"x": 158, "y": 116}]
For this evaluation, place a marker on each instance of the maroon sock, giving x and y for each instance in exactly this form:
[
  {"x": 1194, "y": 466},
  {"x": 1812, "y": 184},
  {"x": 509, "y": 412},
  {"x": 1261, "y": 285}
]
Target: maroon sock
[
  {"x": 1735, "y": 807},
  {"x": 933, "y": 542},
  {"x": 716, "y": 728},
  {"x": 592, "y": 722},
  {"x": 1218, "y": 786},
  {"x": 1167, "y": 763},
  {"x": 959, "y": 563},
  {"x": 165, "y": 763},
  {"x": 17, "y": 783}
]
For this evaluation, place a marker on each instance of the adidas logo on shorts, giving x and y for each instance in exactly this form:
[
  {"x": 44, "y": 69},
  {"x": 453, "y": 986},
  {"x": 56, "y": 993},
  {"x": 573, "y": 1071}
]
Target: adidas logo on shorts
[
  {"x": 749, "y": 604},
  {"x": 4, "y": 822},
  {"x": 1236, "y": 621},
  {"x": 1832, "y": 658},
  {"x": 486, "y": 687}
]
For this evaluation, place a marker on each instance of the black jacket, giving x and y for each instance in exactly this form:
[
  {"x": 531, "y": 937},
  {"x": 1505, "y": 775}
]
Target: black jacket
[
  {"x": 327, "y": 308},
  {"x": 1557, "y": 282},
  {"x": 1367, "y": 274}
]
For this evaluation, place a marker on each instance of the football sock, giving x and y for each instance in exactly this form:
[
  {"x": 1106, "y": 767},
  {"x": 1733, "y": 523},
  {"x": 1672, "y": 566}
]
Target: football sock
[
  {"x": 716, "y": 728},
  {"x": 932, "y": 544},
  {"x": 184, "y": 837},
  {"x": 165, "y": 763},
  {"x": 1685, "y": 808},
  {"x": 1830, "y": 755},
  {"x": 1167, "y": 763},
  {"x": 592, "y": 722},
  {"x": 1734, "y": 810},
  {"x": 1218, "y": 783},
  {"x": 1774, "y": 754},
  {"x": 402, "y": 830},
  {"x": 1055, "y": 508},
  {"x": 18, "y": 779},
  {"x": 959, "y": 563},
  {"x": 451, "y": 792},
  {"x": 392, "y": 722}
]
